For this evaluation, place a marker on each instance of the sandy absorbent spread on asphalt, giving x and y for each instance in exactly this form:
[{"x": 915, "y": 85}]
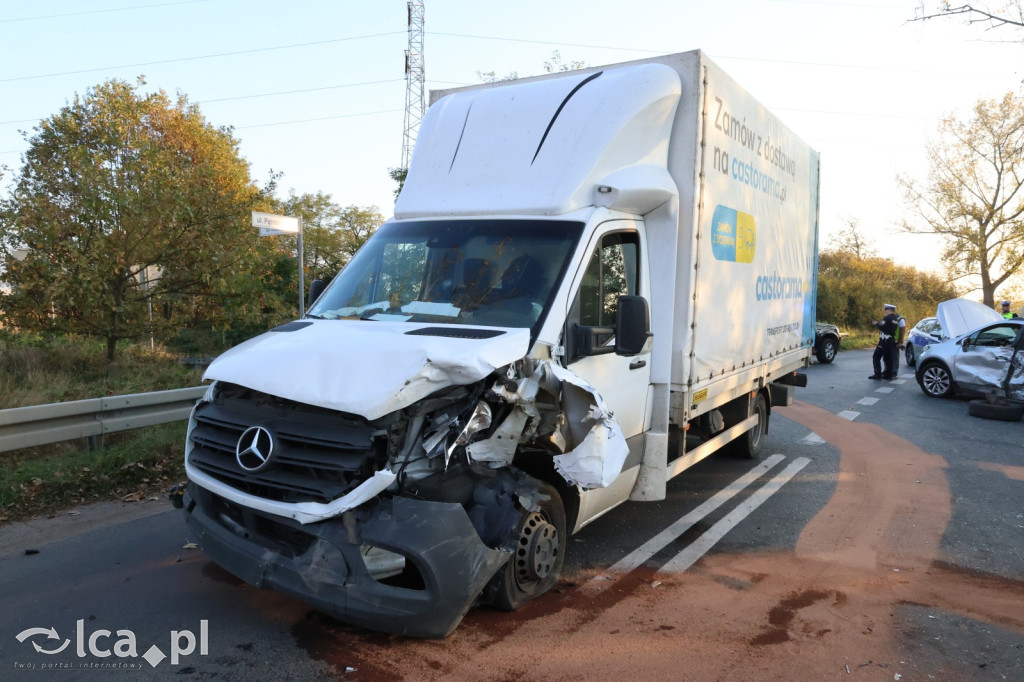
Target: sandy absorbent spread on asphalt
[{"x": 846, "y": 604}]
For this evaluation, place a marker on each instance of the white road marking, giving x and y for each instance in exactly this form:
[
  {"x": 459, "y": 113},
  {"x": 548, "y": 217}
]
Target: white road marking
[
  {"x": 868, "y": 401},
  {"x": 884, "y": 390},
  {"x": 898, "y": 382},
  {"x": 645, "y": 551},
  {"x": 849, "y": 415},
  {"x": 711, "y": 536},
  {"x": 814, "y": 438}
]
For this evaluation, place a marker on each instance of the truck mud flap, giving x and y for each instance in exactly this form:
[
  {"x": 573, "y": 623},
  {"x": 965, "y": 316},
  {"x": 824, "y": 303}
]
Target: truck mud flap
[{"x": 451, "y": 563}]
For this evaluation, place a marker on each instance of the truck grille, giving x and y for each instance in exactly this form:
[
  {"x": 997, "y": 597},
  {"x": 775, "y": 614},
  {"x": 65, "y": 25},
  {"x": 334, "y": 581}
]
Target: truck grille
[{"x": 318, "y": 455}]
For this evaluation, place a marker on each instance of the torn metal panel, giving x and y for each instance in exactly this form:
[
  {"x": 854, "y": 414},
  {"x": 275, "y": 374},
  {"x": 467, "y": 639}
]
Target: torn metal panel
[
  {"x": 363, "y": 367},
  {"x": 582, "y": 426},
  {"x": 598, "y": 448},
  {"x": 500, "y": 448},
  {"x": 598, "y": 460},
  {"x": 1015, "y": 385}
]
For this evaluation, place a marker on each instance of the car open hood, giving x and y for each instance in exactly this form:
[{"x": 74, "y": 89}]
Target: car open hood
[
  {"x": 364, "y": 367},
  {"x": 960, "y": 316}
]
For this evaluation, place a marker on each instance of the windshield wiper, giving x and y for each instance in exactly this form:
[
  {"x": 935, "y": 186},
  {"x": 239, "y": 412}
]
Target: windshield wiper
[{"x": 368, "y": 314}]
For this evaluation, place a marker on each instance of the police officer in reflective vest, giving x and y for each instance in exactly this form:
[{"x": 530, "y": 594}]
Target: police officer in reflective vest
[
  {"x": 886, "y": 343},
  {"x": 1007, "y": 313}
]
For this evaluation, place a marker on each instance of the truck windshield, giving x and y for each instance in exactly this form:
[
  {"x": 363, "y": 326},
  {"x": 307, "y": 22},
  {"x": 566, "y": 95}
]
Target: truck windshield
[{"x": 498, "y": 273}]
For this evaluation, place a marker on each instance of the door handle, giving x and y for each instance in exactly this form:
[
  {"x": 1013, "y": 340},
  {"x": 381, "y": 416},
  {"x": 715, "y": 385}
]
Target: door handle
[{"x": 637, "y": 364}]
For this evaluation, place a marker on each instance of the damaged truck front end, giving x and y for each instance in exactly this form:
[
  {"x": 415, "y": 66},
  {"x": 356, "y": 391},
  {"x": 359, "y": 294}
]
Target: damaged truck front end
[
  {"x": 400, "y": 455},
  {"x": 401, "y": 523}
]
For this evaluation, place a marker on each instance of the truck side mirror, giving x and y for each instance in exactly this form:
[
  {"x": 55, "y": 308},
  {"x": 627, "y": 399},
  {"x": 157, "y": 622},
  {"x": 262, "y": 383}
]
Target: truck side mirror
[
  {"x": 632, "y": 325},
  {"x": 316, "y": 287}
]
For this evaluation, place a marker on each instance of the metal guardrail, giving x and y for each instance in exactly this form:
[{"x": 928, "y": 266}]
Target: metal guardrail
[{"x": 25, "y": 427}]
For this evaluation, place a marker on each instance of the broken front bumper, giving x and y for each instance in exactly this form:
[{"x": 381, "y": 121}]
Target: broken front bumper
[{"x": 322, "y": 563}]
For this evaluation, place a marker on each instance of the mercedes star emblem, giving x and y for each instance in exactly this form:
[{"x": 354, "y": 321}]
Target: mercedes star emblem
[{"x": 254, "y": 448}]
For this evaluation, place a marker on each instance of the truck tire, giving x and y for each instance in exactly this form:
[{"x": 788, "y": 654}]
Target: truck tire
[
  {"x": 987, "y": 410},
  {"x": 827, "y": 349},
  {"x": 751, "y": 443},
  {"x": 539, "y": 553}
]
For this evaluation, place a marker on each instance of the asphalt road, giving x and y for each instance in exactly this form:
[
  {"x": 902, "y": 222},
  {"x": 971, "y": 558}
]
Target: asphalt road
[{"x": 882, "y": 534}]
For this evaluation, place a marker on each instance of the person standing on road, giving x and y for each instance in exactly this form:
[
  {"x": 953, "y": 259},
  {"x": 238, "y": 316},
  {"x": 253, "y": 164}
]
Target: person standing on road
[
  {"x": 899, "y": 345},
  {"x": 1006, "y": 311},
  {"x": 886, "y": 343}
]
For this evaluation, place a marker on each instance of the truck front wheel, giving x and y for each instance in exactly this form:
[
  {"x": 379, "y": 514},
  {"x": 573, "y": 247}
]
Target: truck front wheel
[{"x": 539, "y": 553}]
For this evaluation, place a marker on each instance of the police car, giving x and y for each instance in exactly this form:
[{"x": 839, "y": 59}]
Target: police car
[{"x": 925, "y": 333}]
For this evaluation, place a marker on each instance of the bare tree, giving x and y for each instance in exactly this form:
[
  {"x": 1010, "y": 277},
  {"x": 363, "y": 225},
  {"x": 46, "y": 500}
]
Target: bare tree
[
  {"x": 997, "y": 15},
  {"x": 973, "y": 196},
  {"x": 852, "y": 240}
]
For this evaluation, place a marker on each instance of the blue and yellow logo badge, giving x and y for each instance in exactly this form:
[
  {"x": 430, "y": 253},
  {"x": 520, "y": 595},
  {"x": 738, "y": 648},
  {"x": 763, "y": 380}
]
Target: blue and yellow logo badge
[{"x": 733, "y": 236}]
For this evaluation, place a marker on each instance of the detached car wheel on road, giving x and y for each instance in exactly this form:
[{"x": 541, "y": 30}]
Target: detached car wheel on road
[{"x": 998, "y": 412}]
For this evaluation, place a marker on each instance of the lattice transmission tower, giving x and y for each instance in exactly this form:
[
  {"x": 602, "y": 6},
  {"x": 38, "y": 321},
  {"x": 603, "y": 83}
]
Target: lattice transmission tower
[{"x": 415, "y": 76}]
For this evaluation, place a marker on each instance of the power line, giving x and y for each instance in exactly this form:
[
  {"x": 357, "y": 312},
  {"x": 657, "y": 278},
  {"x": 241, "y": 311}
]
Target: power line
[
  {"x": 100, "y": 11},
  {"x": 292, "y": 92},
  {"x": 322, "y": 118},
  {"x": 241, "y": 97},
  {"x": 277, "y": 123},
  {"x": 544, "y": 42},
  {"x": 205, "y": 56}
]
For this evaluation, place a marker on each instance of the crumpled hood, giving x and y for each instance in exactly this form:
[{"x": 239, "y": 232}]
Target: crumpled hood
[
  {"x": 363, "y": 367},
  {"x": 959, "y": 316}
]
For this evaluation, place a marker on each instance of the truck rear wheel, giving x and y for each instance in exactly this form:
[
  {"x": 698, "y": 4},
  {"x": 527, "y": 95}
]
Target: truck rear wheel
[
  {"x": 539, "y": 553},
  {"x": 751, "y": 443}
]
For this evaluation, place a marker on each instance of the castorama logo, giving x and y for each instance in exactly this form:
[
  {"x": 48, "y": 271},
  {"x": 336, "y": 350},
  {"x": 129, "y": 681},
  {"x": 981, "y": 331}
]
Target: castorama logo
[
  {"x": 734, "y": 240},
  {"x": 733, "y": 235}
]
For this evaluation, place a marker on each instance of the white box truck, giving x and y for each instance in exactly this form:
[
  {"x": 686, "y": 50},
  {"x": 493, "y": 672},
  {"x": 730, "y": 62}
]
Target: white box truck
[{"x": 580, "y": 266}]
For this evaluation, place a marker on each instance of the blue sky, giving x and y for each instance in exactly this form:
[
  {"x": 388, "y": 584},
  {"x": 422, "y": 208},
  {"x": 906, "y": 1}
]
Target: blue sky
[{"x": 316, "y": 89}]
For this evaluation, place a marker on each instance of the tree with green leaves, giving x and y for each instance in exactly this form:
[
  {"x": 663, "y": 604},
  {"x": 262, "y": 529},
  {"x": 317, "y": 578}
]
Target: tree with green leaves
[
  {"x": 973, "y": 197},
  {"x": 852, "y": 288},
  {"x": 398, "y": 175},
  {"x": 134, "y": 211},
  {"x": 331, "y": 235},
  {"x": 554, "y": 65}
]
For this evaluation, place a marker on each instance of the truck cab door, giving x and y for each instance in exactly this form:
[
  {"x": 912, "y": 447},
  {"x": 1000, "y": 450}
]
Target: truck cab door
[{"x": 612, "y": 269}]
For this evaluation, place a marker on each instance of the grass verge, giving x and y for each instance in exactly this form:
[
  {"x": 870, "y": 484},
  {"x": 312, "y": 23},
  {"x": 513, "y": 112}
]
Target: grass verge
[
  {"x": 859, "y": 339},
  {"x": 36, "y": 369},
  {"x": 132, "y": 466}
]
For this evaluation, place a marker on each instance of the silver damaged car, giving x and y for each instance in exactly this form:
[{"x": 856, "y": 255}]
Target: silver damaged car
[{"x": 984, "y": 356}]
